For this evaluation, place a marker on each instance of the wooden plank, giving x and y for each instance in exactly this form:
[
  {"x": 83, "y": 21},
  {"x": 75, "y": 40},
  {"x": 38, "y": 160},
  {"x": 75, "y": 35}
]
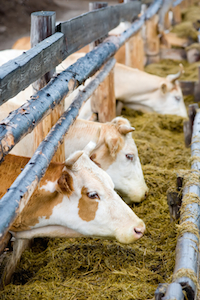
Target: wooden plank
[
  {"x": 42, "y": 26},
  {"x": 103, "y": 102},
  {"x": 135, "y": 51},
  {"x": 197, "y": 88},
  {"x": 176, "y": 15},
  {"x": 188, "y": 124},
  {"x": 108, "y": 17},
  {"x": 20, "y": 72},
  {"x": 187, "y": 87},
  {"x": 152, "y": 42}
]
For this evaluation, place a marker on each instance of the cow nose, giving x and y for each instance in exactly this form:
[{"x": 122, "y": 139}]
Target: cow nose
[{"x": 139, "y": 231}]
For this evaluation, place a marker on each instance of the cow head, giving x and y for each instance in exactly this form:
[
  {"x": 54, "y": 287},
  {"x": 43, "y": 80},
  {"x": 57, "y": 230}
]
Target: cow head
[
  {"x": 171, "y": 96},
  {"x": 118, "y": 156},
  {"x": 91, "y": 206}
]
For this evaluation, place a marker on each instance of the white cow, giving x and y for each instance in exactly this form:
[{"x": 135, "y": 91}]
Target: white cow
[
  {"x": 141, "y": 91},
  {"x": 74, "y": 199}
]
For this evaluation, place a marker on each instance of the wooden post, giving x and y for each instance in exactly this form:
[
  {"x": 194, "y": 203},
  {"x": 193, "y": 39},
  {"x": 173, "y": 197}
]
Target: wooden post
[
  {"x": 135, "y": 52},
  {"x": 188, "y": 125},
  {"x": 174, "y": 202},
  {"x": 197, "y": 88},
  {"x": 176, "y": 15},
  {"x": 42, "y": 26},
  {"x": 152, "y": 43},
  {"x": 103, "y": 101}
]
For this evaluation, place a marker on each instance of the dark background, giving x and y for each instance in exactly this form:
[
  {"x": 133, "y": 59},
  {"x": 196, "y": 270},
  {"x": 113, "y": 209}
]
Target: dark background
[{"x": 15, "y": 15}]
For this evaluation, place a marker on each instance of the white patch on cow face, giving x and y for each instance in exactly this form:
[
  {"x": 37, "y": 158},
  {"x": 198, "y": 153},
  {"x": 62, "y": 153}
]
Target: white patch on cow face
[
  {"x": 49, "y": 186},
  {"x": 113, "y": 218},
  {"x": 127, "y": 174}
]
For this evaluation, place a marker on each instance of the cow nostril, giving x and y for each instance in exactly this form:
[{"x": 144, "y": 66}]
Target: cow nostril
[
  {"x": 139, "y": 231},
  {"x": 146, "y": 194}
]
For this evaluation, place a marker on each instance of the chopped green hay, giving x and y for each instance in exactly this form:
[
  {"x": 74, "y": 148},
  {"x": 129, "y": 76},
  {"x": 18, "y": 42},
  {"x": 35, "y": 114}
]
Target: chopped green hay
[
  {"x": 188, "y": 28},
  {"x": 87, "y": 268},
  {"x": 185, "y": 30},
  {"x": 168, "y": 66}
]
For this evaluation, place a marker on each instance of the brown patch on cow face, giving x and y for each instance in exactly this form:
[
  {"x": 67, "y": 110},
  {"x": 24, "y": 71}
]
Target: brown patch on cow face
[
  {"x": 92, "y": 157},
  {"x": 65, "y": 184},
  {"x": 87, "y": 207},
  {"x": 41, "y": 205}
]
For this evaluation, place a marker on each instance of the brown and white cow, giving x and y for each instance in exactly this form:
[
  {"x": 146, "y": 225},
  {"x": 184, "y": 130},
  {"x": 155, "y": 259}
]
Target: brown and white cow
[
  {"x": 116, "y": 153},
  {"x": 74, "y": 199}
]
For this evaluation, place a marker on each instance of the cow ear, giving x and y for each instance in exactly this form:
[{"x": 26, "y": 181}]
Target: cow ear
[
  {"x": 113, "y": 145},
  {"x": 65, "y": 183},
  {"x": 163, "y": 88},
  {"x": 73, "y": 158}
]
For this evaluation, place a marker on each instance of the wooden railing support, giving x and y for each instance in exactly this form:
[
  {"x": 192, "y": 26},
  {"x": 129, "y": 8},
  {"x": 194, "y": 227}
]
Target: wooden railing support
[
  {"x": 152, "y": 43},
  {"x": 188, "y": 125},
  {"x": 176, "y": 10},
  {"x": 134, "y": 56},
  {"x": 103, "y": 100},
  {"x": 42, "y": 26}
]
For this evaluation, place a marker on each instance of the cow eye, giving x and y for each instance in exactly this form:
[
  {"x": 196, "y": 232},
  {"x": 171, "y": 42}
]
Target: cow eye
[
  {"x": 93, "y": 195},
  {"x": 178, "y": 98},
  {"x": 129, "y": 156}
]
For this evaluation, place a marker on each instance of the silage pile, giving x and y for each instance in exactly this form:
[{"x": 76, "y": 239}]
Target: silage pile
[{"x": 95, "y": 269}]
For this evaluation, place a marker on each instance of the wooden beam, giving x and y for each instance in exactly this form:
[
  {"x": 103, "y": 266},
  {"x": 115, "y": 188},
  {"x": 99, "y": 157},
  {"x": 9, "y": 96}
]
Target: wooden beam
[
  {"x": 176, "y": 10},
  {"x": 188, "y": 125},
  {"x": 42, "y": 26},
  {"x": 19, "y": 73},
  {"x": 103, "y": 101},
  {"x": 197, "y": 88},
  {"x": 77, "y": 38},
  {"x": 152, "y": 42},
  {"x": 135, "y": 51}
]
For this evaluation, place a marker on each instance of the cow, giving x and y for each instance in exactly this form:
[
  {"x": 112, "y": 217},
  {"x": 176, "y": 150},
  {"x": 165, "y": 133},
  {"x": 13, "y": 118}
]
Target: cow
[
  {"x": 140, "y": 90},
  {"x": 74, "y": 199},
  {"x": 116, "y": 153},
  {"x": 149, "y": 93}
]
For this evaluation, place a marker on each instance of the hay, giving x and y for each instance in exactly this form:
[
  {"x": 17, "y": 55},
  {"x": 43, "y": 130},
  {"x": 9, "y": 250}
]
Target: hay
[
  {"x": 167, "y": 66},
  {"x": 185, "y": 30},
  {"x": 99, "y": 269},
  {"x": 188, "y": 28}
]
